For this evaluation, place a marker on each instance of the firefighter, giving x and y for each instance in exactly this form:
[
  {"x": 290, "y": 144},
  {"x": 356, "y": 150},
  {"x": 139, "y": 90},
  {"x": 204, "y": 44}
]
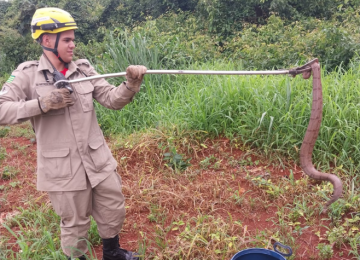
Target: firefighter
[{"x": 75, "y": 165}]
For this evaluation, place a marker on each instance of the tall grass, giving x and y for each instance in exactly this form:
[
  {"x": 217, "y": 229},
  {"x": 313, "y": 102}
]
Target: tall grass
[
  {"x": 35, "y": 233},
  {"x": 267, "y": 112}
]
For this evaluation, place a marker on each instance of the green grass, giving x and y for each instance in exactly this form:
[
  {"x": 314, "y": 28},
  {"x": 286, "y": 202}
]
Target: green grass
[
  {"x": 4, "y": 131},
  {"x": 3, "y": 153},
  {"x": 266, "y": 112},
  {"x": 36, "y": 232},
  {"x": 9, "y": 172}
]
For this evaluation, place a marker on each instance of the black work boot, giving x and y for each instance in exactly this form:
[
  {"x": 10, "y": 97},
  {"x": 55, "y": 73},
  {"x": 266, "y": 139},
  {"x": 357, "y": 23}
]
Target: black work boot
[
  {"x": 112, "y": 250},
  {"x": 80, "y": 258}
]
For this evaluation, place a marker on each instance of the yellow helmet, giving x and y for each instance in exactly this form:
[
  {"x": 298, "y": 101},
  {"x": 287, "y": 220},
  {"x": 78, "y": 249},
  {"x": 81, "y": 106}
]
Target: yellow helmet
[{"x": 51, "y": 20}]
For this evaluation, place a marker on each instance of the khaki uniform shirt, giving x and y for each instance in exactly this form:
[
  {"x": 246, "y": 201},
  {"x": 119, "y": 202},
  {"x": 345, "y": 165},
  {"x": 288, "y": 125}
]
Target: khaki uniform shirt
[{"x": 70, "y": 143}]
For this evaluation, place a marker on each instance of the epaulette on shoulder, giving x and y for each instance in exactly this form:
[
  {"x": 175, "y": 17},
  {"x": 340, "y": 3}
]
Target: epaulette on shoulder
[
  {"x": 28, "y": 64},
  {"x": 82, "y": 62}
]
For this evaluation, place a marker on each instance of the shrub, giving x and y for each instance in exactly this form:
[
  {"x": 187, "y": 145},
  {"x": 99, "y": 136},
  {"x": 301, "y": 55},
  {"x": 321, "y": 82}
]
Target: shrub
[{"x": 277, "y": 46}]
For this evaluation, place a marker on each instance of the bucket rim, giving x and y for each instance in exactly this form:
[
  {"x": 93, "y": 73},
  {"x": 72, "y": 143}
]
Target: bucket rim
[{"x": 258, "y": 250}]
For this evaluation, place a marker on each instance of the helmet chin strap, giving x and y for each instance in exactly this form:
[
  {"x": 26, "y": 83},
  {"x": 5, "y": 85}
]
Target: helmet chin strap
[{"x": 55, "y": 51}]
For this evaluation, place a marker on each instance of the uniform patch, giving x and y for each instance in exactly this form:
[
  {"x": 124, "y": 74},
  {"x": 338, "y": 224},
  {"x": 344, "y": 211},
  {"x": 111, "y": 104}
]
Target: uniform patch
[
  {"x": 4, "y": 90},
  {"x": 11, "y": 78}
]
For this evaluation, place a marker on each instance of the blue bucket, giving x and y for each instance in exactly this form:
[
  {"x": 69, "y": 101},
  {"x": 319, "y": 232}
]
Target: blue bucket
[{"x": 262, "y": 254}]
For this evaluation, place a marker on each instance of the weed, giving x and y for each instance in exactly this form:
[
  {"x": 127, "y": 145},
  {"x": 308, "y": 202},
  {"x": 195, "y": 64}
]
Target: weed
[
  {"x": 217, "y": 165},
  {"x": 177, "y": 224},
  {"x": 22, "y": 130},
  {"x": 299, "y": 230},
  {"x": 176, "y": 161},
  {"x": 325, "y": 251},
  {"x": 247, "y": 161},
  {"x": 3, "y": 153},
  {"x": 160, "y": 239},
  {"x": 337, "y": 210},
  {"x": 9, "y": 172},
  {"x": 93, "y": 234},
  {"x": 204, "y": 164},
  {"x": 233, "y": 162},
  {"x": 14, "y": 184},
  {"x": 37, "y": 234},
  {"x": 21, "y": 148},
  {"x": 239, "y": 197},
  {"x": 292, "y": 178},
  {"x": 354, "y": 243},
  {"x": 295, "y": 214},
  {"x": 254, "y": 203},
  {"x": 142, "y": 245},
  {"x": 4, "y": 131},
  {"x": 36, "y": 229},
  {"x": 153, "y": 215},
  {"x": 336, "y": 235},
  {"x": 271, "y": 189}
]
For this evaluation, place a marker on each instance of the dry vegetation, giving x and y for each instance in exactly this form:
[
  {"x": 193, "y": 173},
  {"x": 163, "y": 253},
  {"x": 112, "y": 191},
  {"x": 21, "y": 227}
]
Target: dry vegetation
[{"x": 229, "y": 198}]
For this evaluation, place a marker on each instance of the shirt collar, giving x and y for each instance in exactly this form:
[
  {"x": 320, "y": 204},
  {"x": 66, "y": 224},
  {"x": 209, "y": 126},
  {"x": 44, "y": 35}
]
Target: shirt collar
[
  {"x": 72, "y": 68},
  {"x": 44, "y": 64}
]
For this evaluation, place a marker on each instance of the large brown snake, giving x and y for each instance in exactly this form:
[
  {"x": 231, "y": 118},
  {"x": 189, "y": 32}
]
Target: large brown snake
[{"x": 312, "y": 131}]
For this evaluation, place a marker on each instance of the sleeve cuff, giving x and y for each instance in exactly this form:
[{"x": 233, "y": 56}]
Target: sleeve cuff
[{"x": 123, "y": 92}]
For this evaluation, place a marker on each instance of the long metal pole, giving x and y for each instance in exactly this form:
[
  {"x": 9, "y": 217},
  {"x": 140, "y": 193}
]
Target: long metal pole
[{"x": 192, "y": 72}]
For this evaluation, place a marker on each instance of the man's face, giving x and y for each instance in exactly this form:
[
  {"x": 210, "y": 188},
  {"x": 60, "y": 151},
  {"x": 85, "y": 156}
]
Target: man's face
[{"x": 66, "y": 45}]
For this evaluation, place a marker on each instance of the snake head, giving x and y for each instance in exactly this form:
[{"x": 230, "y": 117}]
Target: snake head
[{"x": 306, "y": 74}]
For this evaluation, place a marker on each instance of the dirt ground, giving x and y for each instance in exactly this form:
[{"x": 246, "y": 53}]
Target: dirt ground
[{"x": 226, "y": 177}]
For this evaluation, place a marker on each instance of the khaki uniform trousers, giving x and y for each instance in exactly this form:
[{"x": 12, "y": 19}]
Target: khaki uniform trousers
[{"x": 105, "y": 202}]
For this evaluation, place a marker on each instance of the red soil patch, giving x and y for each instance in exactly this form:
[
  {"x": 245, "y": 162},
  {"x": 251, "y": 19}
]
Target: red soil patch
[{"x": 22, "y": 156}]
